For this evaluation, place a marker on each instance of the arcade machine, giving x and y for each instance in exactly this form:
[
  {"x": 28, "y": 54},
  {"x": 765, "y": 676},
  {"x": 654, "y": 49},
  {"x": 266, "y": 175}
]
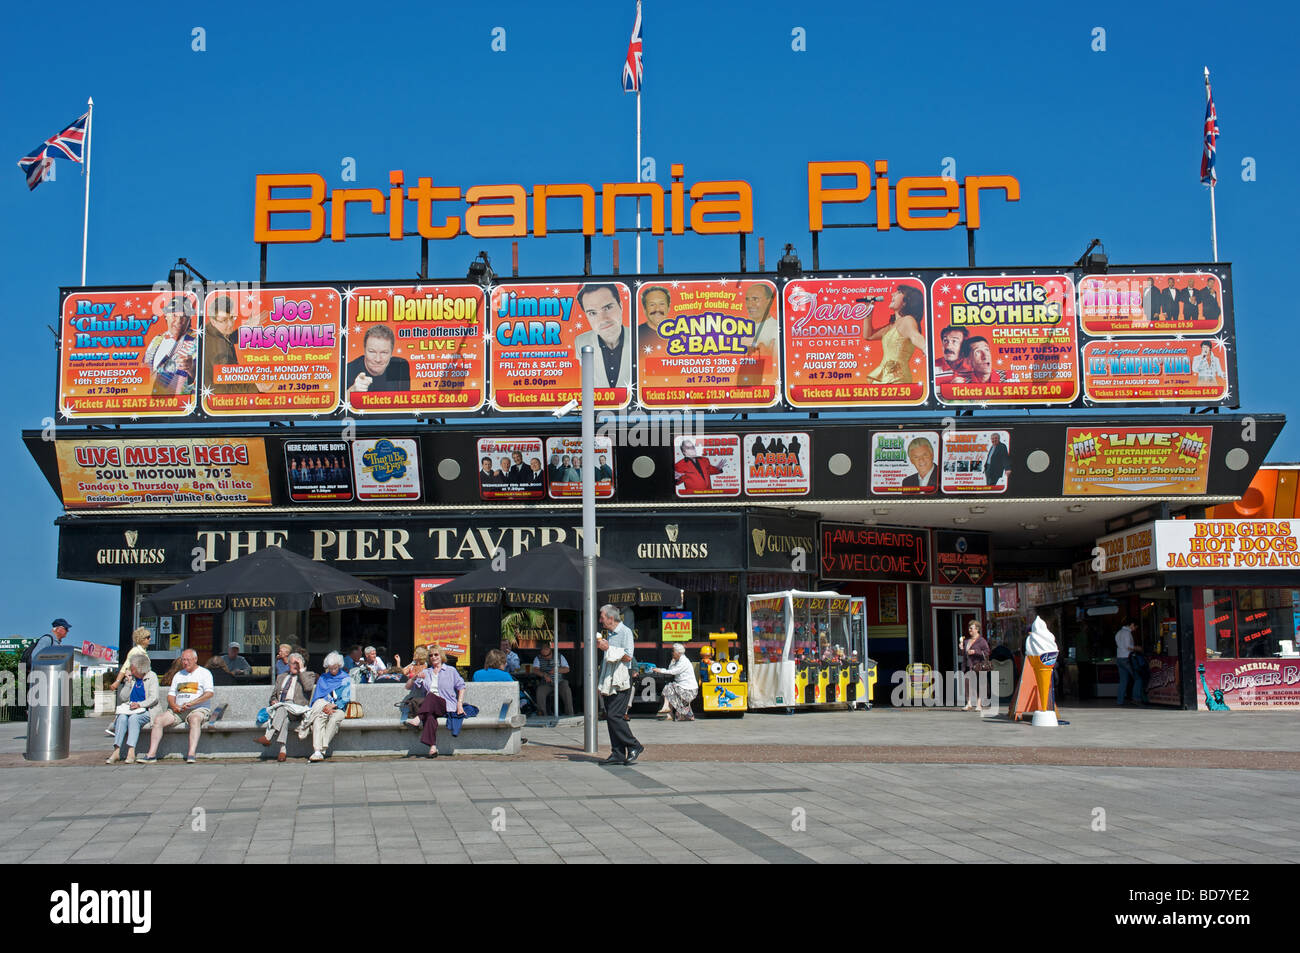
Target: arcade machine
[
  {"x": 807, "y": 649},
  {"x": 723, "y": 690}
]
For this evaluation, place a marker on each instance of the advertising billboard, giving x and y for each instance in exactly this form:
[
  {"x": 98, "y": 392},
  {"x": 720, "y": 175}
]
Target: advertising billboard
[
  {"x": 538, "y": 332},
  {"x": 856, "y": 342},
  {"x": 163, "y": 472},
  {"x": 271, "y": 352},
  {"x": 1146, "y": 304},
  {"x": 128, "y": 354},
  {"x": 708, "y": 344},
  {"x": 1104, "y": 460},
  {"x": 415, "y": 348},
  {"x": 1155, "y": 371},
  {"x": 1004, "y": 339}
]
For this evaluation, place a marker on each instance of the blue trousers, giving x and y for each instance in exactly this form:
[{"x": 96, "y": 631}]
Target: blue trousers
[
  {"x": 1126, "y": 677},
  {"x": 127, "y": 728}
]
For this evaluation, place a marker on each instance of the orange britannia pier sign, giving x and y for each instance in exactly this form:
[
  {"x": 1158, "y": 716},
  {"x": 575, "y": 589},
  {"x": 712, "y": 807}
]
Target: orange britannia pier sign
[{"x": 721, "y": 207}]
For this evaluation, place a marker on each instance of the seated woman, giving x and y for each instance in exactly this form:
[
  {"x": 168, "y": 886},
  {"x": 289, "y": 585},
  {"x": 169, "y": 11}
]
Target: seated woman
[
  {"x": 409, "y": 705},
  {"x": 681, "y": 691},
  {"x": 137, "y": 701},
  {"x": 139, "y": 648},
  {"x": 329, "y": 702},
  {"x": 494, "y": 668},
  {"x": 444, "y": 695}
]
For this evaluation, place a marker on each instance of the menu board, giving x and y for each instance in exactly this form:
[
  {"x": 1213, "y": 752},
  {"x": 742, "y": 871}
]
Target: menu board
[
  {"x": 1005, "y": 340},
  {"x": 708, "y": 344},
  {"x": 1155, "y": 371},
  {"x": 318, "y": 470},
  {"x": 777, "y": 464},
  {"x": 538, "y": 333},
  {"x": 976, "y": 461},
  {"x": 1149, "y": 304},
  {"x": 386, "y": 469},
  {"x": 163, "y": 472},
  {"x": 271, "y": 352},
  {"x": 510, "y": 469},
  {"x": 856, "y": 342},
  {"x": 905, "y": 462},
  {"x": 564, "y": 467},
  {"x": 707, "y": 465},
  {"x": 128, "y": 354},
  {"x": 1103, "y": 461},
  {"x": 446, "y": 630},
  {"x": 415, "y": 348}
]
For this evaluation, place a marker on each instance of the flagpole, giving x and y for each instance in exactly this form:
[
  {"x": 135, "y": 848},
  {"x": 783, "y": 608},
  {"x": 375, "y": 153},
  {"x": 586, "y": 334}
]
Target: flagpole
[
  {"x": 1214, "y": 222},
  {"x": 90, "y": 115},
  {"x": 638, "y": 178}
]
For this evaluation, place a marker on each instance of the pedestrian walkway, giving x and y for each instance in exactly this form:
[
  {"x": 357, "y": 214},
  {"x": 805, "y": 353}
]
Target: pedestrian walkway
[{"x": 456, "y": 811}]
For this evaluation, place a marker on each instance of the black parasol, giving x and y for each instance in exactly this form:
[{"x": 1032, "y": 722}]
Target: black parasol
[
  {"x": 550, "y": 577},
  {"x": 271, "y": 579}
]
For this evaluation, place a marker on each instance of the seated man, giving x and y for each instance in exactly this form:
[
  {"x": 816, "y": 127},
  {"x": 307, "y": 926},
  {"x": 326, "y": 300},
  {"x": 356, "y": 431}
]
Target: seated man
[
  {"x": 545, "y": 664},
  {"x": 352, "y": 659},
  {"x": 512, "y": 659},
  {"x": 236, "y": 664},
  {"x": 372, "y": 666},
  {"x": 282, "y": 658},
  {"x": 290, "y": 699},
  {"x": 329, "y": 703},
  {"x": 189, "y": 700}
]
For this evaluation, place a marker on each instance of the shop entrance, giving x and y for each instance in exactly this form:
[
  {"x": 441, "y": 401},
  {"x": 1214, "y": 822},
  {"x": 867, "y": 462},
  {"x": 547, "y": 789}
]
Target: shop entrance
[{"x": 948, "y": 626}]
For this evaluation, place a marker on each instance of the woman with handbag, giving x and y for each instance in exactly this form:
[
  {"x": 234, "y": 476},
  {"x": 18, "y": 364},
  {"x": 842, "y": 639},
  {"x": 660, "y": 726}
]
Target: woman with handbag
[
  {"x": 330, "y": 701},
  {"x": 975, "y": 653}
]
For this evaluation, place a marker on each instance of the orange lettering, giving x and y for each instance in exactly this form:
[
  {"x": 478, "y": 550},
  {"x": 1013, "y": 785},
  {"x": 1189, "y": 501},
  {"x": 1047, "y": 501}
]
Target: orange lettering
[
  {"x": 264, "y": 206},
  {"x": 515, "y": 209},
  {"x": 819, "y": 195},
  {"x": 908, "y": 202}
]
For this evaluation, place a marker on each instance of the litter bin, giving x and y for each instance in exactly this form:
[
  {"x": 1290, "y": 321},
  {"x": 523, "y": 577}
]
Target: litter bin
[{"x": 49, "y": 704}]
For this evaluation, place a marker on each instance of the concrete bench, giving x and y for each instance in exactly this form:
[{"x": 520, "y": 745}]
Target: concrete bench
[{"x": 495, "y": 730}]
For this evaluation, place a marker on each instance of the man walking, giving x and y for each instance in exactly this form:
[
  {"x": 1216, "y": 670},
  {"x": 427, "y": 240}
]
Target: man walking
[
  {"x": 616, "y": 686},
  {"x": 1124, "y": 649}
]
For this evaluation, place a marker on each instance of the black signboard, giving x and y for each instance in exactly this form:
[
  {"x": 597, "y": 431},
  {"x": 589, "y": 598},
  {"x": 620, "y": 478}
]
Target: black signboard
[
  {"x": 962, "y": 559},
  {"x": 772, "y": 541},
  {"x": 399, "y": 545},
  {"x": 852, "y": 553}
]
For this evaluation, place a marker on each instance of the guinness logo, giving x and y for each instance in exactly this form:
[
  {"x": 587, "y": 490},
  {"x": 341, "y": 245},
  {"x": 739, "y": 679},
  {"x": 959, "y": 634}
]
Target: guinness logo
[
  {"x": 131, "y": 536},
  {"x": 760, "y": 540},
  {"x": 671, "y": 530}
]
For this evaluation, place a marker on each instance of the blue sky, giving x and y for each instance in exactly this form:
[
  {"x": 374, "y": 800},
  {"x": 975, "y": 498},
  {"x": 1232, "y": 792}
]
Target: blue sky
[{"x": 1105, "y": 144}]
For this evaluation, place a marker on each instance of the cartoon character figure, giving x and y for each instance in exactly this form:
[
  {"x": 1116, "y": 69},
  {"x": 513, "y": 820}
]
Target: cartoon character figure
[{"x": 1213, "y": 700}]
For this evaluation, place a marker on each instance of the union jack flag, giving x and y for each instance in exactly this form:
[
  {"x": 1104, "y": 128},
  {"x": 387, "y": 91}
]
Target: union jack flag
[
  {"x": 632, "y": 65},
  {"x": 1208, "y": 175},
  {"x": 69, "y": 144}
]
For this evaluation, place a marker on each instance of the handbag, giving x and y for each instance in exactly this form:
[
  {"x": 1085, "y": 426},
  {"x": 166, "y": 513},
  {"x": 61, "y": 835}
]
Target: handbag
[
  {"x": 982, "y": 665},
  {"x": 354, "y": 710}
]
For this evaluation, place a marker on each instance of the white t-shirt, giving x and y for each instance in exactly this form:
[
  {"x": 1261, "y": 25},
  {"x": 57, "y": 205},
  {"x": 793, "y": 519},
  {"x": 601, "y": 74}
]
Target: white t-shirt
[
  {"x": 187, "y": 686},
  {"x": 1123, "y": 642}
]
